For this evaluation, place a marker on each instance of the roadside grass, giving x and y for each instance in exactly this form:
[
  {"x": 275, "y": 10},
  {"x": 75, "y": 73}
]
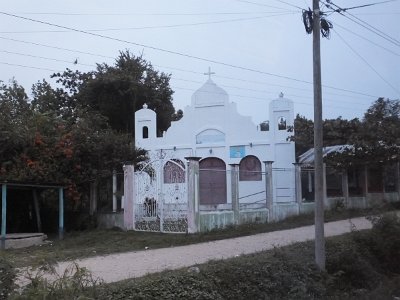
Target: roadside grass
[
  {"x": 360, "y": 265},
  {"x": 101, "y": 242}
]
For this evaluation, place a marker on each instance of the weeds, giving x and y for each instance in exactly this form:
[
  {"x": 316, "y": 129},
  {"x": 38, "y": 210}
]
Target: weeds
[{"x": 46, "y": 283}]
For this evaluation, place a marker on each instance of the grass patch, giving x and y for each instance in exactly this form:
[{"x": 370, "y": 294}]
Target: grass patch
[
  {"x": 360, "y": 265},
  {"x": 81, "y": 244}
]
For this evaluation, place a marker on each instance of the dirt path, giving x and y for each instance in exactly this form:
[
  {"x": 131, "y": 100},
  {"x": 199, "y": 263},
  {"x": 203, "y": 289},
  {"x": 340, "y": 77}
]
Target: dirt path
[{"x": 116, "y": 267}]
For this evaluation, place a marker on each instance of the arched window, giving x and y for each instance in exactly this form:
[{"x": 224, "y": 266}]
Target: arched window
[
  {"x": 145, "y": 132},
  {"x": 174, "y": 171},
  {"x": 250, "y": 169},
  {"x": 281, "y": 123}
]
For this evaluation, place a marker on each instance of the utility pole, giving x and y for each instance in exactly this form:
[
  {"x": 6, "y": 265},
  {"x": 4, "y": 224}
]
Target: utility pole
[{"x": 320, "y": 257}]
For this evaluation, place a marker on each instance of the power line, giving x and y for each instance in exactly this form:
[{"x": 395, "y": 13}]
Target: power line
[
  {"x": 25, "y": 66},
  {"x": 201, "y": 73},
  {"x": 368, "y": 40},
  {"x": 259, "y": 91},
  {"x": 368, "y": 64},
  {"x": 362, "y": 23},
  {"x": 149, "y": 14},
  {"x": 259, "y": 4},
  {"x": 181, "y": 88},
  {"x": 158, "y": 48},
  {"x": 46, "y": 58},
  {"x": 264, "y": 99},
  {"x": 54, "y": 47},
  {"x": 154, "y": 27},
  {"x": 181, "y": 54},
  {"x": 366, "y": 5},
  {"x": 183, "y": 70}
]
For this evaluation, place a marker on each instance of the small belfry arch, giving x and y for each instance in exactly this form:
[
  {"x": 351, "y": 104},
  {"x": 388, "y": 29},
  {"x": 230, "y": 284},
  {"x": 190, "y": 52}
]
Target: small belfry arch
[{"x": 145, "y": 132}]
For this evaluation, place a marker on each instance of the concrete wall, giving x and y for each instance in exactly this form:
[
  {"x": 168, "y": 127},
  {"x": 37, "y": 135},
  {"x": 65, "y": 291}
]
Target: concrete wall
[{"x": 110, "y": 220}]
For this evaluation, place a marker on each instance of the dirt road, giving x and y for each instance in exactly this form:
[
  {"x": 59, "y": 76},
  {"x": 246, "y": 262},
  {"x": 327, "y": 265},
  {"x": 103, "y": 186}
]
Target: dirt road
[{"x": 121, "y": 266}]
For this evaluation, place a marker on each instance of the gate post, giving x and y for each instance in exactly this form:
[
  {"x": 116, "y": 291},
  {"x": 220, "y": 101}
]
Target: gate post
[
  {"x": 298, "y": 187},
  {"x": 269, "y": 190},
  {"x": 235, "y": 192},
  {"x": 114, "y": 191},
  {"x": 193, "y": 213},
  {"x": 129, "y": 196},
  {"x": 345, "y": 188}
]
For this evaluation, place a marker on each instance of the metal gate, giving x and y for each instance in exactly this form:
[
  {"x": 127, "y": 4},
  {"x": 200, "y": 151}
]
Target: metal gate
[{"x": 161, "y": 201}]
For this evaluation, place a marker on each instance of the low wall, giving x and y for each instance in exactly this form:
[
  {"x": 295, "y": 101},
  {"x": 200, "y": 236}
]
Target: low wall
[
  {"x": 110, "y": 220},
  {"x": 210, "y": 220},
  {"x": 284, "y": 210}
]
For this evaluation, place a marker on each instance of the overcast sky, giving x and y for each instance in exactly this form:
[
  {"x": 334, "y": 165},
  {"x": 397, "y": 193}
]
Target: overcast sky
[{"x": 256, "y": 48}]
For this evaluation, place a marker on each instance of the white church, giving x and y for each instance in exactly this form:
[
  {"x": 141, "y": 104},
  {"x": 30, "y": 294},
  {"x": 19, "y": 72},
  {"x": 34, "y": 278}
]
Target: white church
[{"x": 212, "y": 130}]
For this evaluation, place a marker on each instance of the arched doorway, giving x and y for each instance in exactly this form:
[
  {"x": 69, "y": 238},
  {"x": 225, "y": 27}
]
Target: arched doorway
[{"x": 212, "y": 181}]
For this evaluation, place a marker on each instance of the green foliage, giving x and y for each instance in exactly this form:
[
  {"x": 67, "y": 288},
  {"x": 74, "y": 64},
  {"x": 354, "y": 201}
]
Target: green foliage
[
  {"x": 7, "y": 275},
  {"x": 46, "y": 283}
]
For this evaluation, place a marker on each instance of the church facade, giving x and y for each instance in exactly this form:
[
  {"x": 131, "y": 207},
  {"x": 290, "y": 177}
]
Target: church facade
[{"x": 212, "y": 129}]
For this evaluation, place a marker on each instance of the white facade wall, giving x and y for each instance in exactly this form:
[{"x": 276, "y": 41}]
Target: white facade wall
[{"x": 211, "y": 125}]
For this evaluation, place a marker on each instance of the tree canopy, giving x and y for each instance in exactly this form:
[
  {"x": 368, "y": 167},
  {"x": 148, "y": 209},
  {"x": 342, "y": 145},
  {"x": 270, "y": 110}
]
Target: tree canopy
[
  {"x": 83, "y": 128},
  {"x": 374, "y": 139}
]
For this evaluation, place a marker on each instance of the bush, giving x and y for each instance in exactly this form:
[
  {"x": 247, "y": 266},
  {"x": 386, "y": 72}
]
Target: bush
[
  {"x": 350, "y": 268},
  {"x": 384, "y": 242},
  {"x": 7, "y": 275}
]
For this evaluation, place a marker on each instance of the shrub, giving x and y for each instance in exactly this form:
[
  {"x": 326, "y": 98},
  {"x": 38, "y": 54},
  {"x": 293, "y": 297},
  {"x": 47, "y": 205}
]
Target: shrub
[{"x": 348, "y": 267}]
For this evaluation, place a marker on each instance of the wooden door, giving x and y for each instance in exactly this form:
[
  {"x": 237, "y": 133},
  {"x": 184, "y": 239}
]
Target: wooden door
[{"x": 212, "y": 181}]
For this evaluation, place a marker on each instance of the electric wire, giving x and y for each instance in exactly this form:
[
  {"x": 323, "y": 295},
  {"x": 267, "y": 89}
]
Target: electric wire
[
  {"x": 148, "y": 14},
  {"x": 367, "y": 63},
  {"x": 263, "y": 99},
  {"x": 367, "y": 5},
  {"x": 158, "y": 49},
  {"x": 366, "y": 39},
  {"x": 193, "y": 72},
  {"x": 181, "y": 54},
  {"x": 46, "y": 58},
  {"x": 153, "y": 27},
  {"x": 260, "y": 4},
  {"x": 362, "y": 23},
  {"x": 200, "y": 73}
]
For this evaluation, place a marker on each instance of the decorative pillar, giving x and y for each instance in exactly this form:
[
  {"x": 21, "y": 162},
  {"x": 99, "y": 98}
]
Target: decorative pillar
[
  {"x": 235, "y": 192},
  {"x": 269, "y": 189},
  {"x": 298, "y": 191},
  {"x": 129, "y": 197},
  {"x": 61, "y": 213},
  {"x": 114, "y": 191},
  {"x": 345, "y": 188},
  {"x": 3, "y": 215},
  {"x": 193, "y": 184}
]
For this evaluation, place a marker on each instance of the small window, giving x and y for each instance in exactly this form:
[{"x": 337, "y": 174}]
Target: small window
[
  {"x": 264, "y": 126},
  {"x": 281, "y": 123},
  {"x": 145, "y": 132}
]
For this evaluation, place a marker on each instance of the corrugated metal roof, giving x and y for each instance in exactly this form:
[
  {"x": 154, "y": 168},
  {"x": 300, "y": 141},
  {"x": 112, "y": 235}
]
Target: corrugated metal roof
[{"x": 307, "y": 157}]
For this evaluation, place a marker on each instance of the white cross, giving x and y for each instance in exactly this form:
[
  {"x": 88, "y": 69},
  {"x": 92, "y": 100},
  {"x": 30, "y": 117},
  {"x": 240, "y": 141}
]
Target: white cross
[{"x": 209, "y": 73}]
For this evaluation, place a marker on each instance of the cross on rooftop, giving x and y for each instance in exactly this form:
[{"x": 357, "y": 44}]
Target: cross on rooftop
[{"x": 209, "y": 73}]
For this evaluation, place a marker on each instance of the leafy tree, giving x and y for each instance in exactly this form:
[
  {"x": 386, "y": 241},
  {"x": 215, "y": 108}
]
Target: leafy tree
[{"x": 117, "y": 91}]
